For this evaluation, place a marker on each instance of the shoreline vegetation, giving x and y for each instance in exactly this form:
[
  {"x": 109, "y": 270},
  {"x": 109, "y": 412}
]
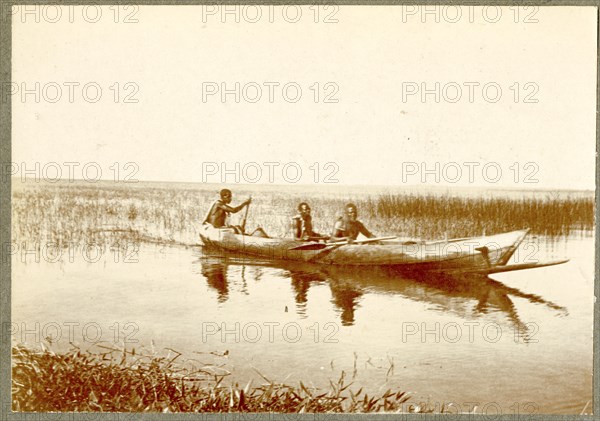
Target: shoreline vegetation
[
  {"x": 114, "y": 214},
  {"x": 125, "y": 380},
  {"x": 104, "y": 213}
]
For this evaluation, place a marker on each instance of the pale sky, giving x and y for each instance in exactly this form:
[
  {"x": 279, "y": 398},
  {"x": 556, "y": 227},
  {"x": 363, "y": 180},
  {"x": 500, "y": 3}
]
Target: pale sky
[{"x": 374, "y": 61}]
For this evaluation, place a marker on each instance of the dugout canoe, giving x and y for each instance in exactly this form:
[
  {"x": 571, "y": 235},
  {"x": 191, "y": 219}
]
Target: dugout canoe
[{"x": 488, "y": 254}]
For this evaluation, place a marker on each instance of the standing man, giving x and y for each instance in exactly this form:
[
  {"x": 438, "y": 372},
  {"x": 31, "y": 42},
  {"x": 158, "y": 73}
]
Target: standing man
[
  {"x": 219, "y": 211},
  {"x": 348, "y": 226}
]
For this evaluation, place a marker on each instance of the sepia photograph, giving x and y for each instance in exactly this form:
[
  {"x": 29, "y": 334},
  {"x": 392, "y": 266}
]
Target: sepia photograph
[{"x": 300, "y": 208}]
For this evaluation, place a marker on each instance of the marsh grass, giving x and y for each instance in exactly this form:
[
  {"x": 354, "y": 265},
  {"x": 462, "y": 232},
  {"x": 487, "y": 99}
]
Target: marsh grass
[
  {"x": 113, "y": 213},
  {"x": 432, "y": 216},
  {"x": 127, "y": 381}
]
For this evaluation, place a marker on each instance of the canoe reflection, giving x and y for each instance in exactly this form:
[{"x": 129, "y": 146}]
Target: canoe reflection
[{"x": 468, "y": 296}]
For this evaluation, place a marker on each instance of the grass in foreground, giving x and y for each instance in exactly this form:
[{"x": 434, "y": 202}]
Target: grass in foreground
[{"x": 119, "y": 380}]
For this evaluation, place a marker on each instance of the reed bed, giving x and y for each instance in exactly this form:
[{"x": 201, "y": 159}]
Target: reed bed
[
  {"x": 111, "y": 213},
  {"x": 430, "y": 216},
  {"x": 127, "y": 381}
]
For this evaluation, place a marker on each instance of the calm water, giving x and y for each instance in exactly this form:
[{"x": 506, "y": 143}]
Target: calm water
[{"x": 519, "y": 342}]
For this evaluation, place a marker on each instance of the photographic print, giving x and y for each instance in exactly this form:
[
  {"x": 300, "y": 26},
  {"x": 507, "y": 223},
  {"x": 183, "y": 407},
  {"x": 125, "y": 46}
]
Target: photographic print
[{"x": 220, "y": 208}]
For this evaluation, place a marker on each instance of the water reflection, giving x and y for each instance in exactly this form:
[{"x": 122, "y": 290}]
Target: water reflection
[
  {"x": 345, "y": 297},
  {"x": 215, "y": 272},
  {"x": 301, "y": 282},
  {"x": 468, "y": 296}
]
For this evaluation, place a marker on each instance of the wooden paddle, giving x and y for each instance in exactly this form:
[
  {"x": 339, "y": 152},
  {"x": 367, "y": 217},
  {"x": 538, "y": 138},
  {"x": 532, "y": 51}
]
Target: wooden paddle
[
  {"x": 317, "y": 238},
  {"x": 336, "y": 244},
  {"x": 365, "y": 241},
  {"x": 245, "y": 217}
]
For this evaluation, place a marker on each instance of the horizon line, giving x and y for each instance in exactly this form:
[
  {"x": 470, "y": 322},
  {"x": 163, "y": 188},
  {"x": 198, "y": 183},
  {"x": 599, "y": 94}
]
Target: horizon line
[{"x": 327, "y": 185}]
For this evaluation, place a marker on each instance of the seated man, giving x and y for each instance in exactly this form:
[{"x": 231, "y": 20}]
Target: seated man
[
  {"x": 302, "y": 224},
  {"x": 348, "y": 227},
  {"x": 220, "y": 209}
]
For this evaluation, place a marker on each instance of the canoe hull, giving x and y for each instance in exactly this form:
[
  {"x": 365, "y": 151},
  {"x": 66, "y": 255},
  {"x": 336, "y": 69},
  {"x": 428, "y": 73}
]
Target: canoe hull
[{"x": 471, "y": 253}]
